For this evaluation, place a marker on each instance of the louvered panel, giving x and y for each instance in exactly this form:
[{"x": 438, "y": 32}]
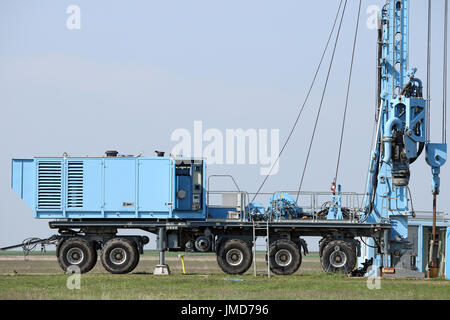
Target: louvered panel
[
  {"x": 49, "y": 185},
  {"x": 75, "y": 184}
]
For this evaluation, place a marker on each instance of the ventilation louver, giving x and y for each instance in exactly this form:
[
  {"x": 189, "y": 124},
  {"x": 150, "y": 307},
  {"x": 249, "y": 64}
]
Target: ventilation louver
[
  {"x": 49, "y": 185},
  {"x": 75, "y": 184}
]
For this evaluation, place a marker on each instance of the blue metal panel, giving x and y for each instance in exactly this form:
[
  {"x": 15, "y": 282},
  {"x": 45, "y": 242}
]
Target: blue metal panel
[
  {"x": 155, "y": 187},
  {"x": 184, "y": 183},
  {"x": 419, "y": 260},
  {"x": 399, "y": 227},
  {"x": 191, "y": 215},
  {"x": 120, "y": 190},
  {"x": 447, "y": 255},
  {"x": 92, "y": 188},
  {"x": 219, "y": 213},
  {"x": 22, "y": 180}
]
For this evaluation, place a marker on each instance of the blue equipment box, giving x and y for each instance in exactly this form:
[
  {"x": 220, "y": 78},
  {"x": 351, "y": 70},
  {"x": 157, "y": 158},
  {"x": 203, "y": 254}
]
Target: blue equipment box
[{"x": 112, "y": 187}]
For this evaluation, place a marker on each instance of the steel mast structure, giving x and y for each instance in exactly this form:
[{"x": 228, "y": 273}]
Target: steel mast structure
[{"x": 402, "y": 119}]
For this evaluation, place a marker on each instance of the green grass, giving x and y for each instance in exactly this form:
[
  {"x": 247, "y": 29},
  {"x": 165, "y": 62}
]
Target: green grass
[
  {"x": 43, "y": 279},
  {"x": 213, "y": 286}
]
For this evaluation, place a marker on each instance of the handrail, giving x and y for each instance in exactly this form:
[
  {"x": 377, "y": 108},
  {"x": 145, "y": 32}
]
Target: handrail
[{"x": 223, "y": 176}]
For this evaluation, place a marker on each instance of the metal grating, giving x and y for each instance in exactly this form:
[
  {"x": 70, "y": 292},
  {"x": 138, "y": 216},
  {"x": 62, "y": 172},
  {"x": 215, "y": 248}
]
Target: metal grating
[
  {"x": 49, "y": 185},
  {"x": 75, "y": 184}
]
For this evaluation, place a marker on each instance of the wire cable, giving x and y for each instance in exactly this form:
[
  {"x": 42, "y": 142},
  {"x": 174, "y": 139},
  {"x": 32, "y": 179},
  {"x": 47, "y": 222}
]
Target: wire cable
[
  {"x": 348, "y": 93},
  {"x": 321, "y": 101},
  {"x": 413, "y": 212},
  {"x": 428, "y": 122},
  {"x": 304, "y": 103},
  {"x": 445, "y": 70},
  {"x": 368, "y": 244}
]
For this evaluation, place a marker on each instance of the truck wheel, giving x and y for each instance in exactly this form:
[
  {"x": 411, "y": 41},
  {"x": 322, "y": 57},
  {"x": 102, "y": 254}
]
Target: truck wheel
[
  {"x": 119, "y": 256},
  {"x": 234, "y": 257},
  {"x": 338, "y": 257},
  {"x": 284, "y": 257},
  {"x": 77, "y": 252},
  {"x": 138, "y": 256}
]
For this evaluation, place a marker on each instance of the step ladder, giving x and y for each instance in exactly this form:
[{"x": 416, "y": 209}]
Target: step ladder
[{"x": 261, "y": 226}]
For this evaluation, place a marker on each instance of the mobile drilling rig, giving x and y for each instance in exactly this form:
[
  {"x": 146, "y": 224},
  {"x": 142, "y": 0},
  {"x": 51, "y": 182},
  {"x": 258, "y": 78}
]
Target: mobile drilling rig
[{"x": 90, "y": 198}]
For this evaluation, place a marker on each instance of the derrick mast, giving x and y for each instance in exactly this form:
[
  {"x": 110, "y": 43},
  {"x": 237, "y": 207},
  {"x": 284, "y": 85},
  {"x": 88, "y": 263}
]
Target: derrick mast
[{"x": 401, "y": 135}]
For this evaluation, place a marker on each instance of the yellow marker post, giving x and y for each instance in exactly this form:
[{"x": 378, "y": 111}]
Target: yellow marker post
[{"x": 182, "y": 263}]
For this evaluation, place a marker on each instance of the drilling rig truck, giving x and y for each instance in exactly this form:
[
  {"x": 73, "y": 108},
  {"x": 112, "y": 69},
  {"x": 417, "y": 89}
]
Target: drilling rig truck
[{"x": 89, "y": 200}]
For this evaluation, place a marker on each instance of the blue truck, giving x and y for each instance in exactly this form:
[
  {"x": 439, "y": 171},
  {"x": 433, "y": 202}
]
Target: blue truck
[{"x": 91, "y": 199}]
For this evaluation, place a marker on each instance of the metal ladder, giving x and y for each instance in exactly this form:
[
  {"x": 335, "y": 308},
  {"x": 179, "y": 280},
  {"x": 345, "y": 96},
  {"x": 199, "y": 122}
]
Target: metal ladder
[{"x": 259, "y": 226}]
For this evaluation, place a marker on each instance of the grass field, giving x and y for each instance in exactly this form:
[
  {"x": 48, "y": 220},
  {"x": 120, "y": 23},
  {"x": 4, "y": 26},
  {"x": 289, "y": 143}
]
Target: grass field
[{"x": 41, "y": 278}]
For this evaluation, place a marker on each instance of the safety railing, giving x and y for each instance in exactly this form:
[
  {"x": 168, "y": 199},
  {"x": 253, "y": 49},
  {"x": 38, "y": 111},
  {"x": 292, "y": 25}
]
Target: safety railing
[
  {"x": 428, "y": 216},
  {"x": 238, "y": 200},
  {"x": 312, "y": 202}
]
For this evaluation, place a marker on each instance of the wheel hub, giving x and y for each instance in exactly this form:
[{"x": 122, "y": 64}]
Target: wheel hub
[
  {"x": 338, "y": 258},
  {"x": 118, "y": 256},
  {"x": 75, "y": 256},
  {"x": 234, "y": 257},
  {"x": 283, "y": 258}
]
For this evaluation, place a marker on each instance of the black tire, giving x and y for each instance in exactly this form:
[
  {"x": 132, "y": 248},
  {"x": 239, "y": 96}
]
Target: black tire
[
  {"x": 338, "y": 257},
  {"x": 119, "y": 256},
  {"x": 203, "y": 244},
  {"x": 285, "y": 257},
  {"x": 138, "y": 256},
  {"x": 322, "y": 244},
  {"x": 234, "y": 256},
  {"x": 77, "y": 252}
]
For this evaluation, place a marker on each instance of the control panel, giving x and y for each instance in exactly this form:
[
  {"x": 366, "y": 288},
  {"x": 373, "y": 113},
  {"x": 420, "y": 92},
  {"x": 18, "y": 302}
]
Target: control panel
[{"x": 189, "y": 185}]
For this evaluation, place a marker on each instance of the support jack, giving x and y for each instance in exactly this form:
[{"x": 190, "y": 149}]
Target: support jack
[{"x": 161, "y": 270}]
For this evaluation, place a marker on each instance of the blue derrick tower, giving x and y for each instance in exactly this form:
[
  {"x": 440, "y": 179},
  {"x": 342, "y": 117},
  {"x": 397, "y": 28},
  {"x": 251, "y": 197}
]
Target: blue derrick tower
[{"x": 401, "y": 138}]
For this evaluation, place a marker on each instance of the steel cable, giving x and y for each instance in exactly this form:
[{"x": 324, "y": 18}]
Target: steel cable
[
  {"x": 348, "y": 93},
  {"x": 321, "y": 101},
  {"x": 304, "y": 103},
  {"x": 445, "y": 69},
  {"x": 29, "y": 245},
  {"x": 428, "y": 122}
]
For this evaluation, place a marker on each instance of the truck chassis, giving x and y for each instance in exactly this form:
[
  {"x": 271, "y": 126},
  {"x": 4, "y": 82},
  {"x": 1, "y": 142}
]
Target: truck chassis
[{"x": 232, "y": 241}]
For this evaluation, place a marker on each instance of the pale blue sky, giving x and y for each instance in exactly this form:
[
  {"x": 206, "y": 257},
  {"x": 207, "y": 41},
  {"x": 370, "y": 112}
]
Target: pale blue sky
[{"x": 137, "y": 70}]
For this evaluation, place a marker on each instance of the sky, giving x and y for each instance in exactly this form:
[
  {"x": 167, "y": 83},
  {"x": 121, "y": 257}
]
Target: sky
[{"x": 136, "y": 71}]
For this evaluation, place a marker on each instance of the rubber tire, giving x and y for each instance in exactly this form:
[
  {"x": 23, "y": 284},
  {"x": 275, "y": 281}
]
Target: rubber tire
[
  {"x": 137, "y": 258},
  {"x": 208, "y": 248},
  {"x": 295, "y": 252},
  {"x": 87, "y": 248},
  {"x": 131, "y": 260},
  {"x": 347, "y": 249},
  {"x": 246, "y": 253}
]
